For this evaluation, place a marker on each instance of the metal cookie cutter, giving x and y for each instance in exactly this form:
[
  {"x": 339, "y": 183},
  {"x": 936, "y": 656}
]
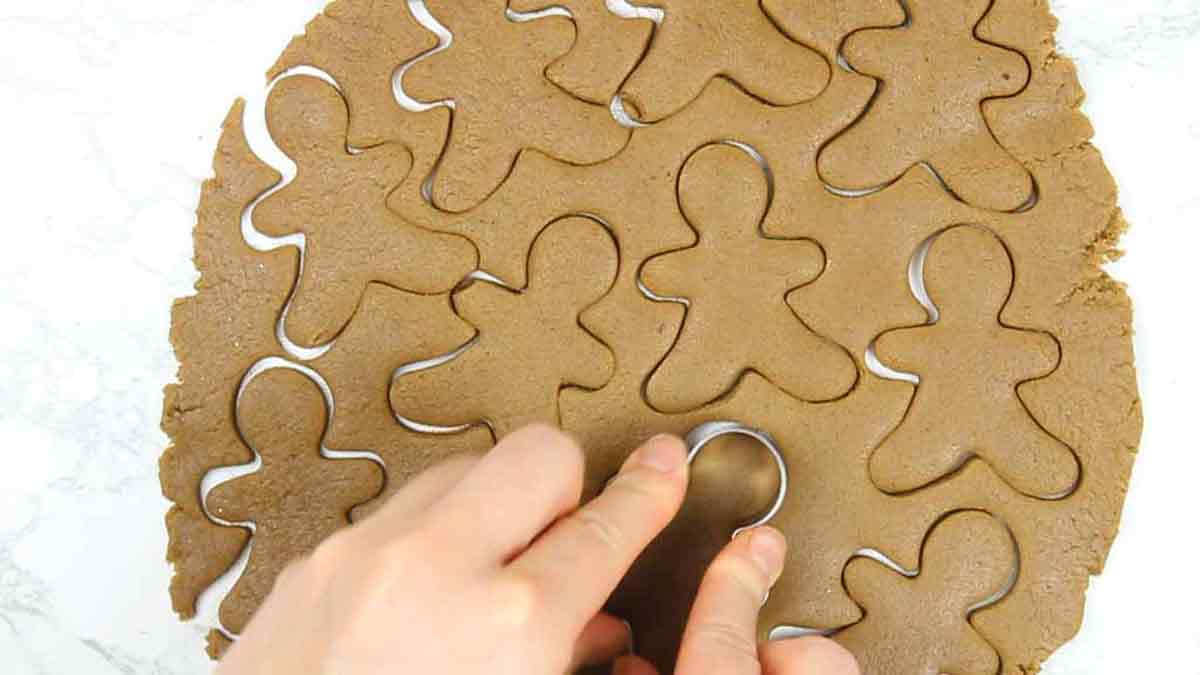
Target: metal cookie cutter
[{"x": 704, "y": 434}]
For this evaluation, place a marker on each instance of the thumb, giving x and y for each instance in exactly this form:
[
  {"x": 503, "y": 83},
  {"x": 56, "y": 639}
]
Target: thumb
[
  {"x": 722, "y": 632},
  {"x": 807, "y": 656}
]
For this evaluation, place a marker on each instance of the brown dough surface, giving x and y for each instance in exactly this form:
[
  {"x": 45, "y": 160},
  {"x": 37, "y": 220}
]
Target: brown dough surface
[
  {"x": 218, "y": 334},
  {"x": 935, "y": 75},
  {"x": 339, "y": 201},
  {"x": 391, "y": 328},
  {"x": 530, "y": 344},
  {"x": 735, "y": 274},
  {"x": 971, "y": 367},
  {"x": 606, "y": 49},
  {"x": 968, "y": 560},
  {"x": 523, "y": 166},
  {"x": 823, "y": 24},
  {"x": 218, "y": 644},
  {"x": 298, "y": 497},
  {"x": 503, "y": 105},
  {"x": 361, "y": 45},
  {"x": 699, "y": 40}
]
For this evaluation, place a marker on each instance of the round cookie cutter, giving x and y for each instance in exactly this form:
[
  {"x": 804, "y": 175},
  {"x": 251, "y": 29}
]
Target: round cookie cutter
[{"x": 708, "y": 432}]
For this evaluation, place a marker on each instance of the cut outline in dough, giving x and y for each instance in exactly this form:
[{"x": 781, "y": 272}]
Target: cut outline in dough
[
  {"x": 262, "y": 144},
  {"x": 1071, "y": 161},
  {"x": 921, "y": 295},
  {"x": 910, "y": 575},
  {"x": 403, "y": 255},
  {"x": 652, "y": 295},
  {"x": 621, "y": 107},
  {"x": 618, "y": 10},
  {"x": 843, "y": 62},
  {"x": 426, "y": 18},
  {"x": 482, "y": 277},
  {"x": 213, "y": 597}
]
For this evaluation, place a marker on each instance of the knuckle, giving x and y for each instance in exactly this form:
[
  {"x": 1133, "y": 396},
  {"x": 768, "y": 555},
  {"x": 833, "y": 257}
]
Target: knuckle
[
  {"x": 575, "y": 458},
  {"x": 407, "y": 552},
  {"x": 515, "y": 601},
  {"x": 542, "y": 435},
  {"x": 424, "y": 533},
  {"x": 634, "y": 485},
  {"x": 291, "y": 575},
  {"x": 648, "y": 492},
  {"x": 599, "y": 528},
  {"x": 832, "y": 657},
  {"x": 555, "y": 442},
  {"x": 741, "y": 573},
  {"x": 723, "y": 637},
  {"x": 540, "y": 430},
  {"x": 559, "y": 458},
  {"x": 385, "y": 561},
  {"x": 328, "y": 555}
]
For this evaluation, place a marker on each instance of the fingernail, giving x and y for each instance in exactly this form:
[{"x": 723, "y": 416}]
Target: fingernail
[
  {"x": 629, "y": 644},
  {"x": 662, "y": 453},
  {"x": 767, "y": 549}
]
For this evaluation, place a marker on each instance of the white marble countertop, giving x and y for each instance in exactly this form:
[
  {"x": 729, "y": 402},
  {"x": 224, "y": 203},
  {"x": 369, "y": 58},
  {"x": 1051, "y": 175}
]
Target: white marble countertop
[{"x": 110, "y": 113}]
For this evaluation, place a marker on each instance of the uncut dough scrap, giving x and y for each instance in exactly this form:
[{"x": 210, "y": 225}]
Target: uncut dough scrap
[{"x": 1088, "y": 403}]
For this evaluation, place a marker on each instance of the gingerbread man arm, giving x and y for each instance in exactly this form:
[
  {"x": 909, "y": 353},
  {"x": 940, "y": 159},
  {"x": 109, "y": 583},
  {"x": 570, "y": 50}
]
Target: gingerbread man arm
[
  {"x": 909, "y": 350},
  {"x": 676, "y": 274},
  {"x": 595, "y": 365},
  {"x": 606, "y": 48},
  {"x": 921, "y": 450},
  {"x": 435, "y": 395},
  {"x": 865, "y": 51},
  {"x": 824, "y": 24},
  {"x": 1027, "y": 456},
  {"x": 968, "y": 560},
  {"x": 698, "y": 41}
]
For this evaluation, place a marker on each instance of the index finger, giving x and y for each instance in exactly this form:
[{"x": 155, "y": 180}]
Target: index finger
[
  {"x": 599, "y": 542},
  {"x": 532, "y": 476}
]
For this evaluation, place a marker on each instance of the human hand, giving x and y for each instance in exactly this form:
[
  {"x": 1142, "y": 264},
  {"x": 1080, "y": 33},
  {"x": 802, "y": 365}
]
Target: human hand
[{"x": 489, "y": 565}]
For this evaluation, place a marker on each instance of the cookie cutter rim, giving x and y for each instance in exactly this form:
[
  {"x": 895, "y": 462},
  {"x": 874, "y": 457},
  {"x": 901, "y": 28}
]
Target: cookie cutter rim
[{"x": 705, "y": 433}]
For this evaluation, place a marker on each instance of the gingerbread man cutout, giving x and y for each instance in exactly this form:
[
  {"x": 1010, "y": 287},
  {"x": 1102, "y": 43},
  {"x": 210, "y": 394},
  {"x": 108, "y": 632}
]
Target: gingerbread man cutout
[
  {"x": 935, "y": 75},
  {"x": 298, "y": 497},
  {"x": 699, "y": 40},
  {"x": 338, "y": 200},
  {"x": 503, "y": 103},
  {"x": 736, "y": 282},
  {"x": 529, "y": 344},
  {"x": 968, "y": 561},
  {"x": 971, "y": 366}
]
